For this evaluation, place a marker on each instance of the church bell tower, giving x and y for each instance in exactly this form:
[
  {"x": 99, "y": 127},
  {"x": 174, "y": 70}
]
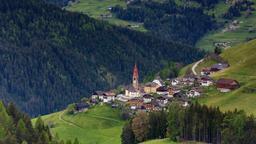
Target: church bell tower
[{"x": 135, "y": 78}]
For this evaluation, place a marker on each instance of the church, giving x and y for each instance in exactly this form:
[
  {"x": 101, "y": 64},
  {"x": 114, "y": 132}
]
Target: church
[{"x": 134, "y": 90}]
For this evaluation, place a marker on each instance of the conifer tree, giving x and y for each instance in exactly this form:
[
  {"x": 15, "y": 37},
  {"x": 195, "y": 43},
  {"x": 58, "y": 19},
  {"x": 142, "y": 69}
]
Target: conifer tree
[
  {"x": 76, "y": 141},
  {"x": 21, "y": 131},
  {"x": 5, "y": 120}
]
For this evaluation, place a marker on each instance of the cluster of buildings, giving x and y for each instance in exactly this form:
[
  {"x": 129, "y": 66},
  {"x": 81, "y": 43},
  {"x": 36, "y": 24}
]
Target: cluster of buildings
[
  {"x": 223, "y": 84},
  {"x": 156, "y": 95}
]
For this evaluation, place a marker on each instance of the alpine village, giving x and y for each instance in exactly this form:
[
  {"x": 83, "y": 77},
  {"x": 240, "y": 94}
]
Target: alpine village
[{"x": 127, "y": 71}]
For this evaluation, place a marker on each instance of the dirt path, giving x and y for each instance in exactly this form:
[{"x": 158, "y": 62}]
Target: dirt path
[
  {"x": 75, "y": 125},
  {"x": 67, "y": 122},
  {"x": 195, "y": 65}
]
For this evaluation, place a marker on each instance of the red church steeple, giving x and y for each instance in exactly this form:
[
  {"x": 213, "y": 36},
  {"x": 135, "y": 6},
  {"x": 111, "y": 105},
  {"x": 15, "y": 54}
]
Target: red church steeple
[{"x": 135, "y": 79}]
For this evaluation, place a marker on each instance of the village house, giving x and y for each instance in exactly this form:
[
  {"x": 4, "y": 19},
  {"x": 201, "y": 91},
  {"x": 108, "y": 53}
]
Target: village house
[
  {"x": 107, "y": 97},
  {"x": 147, "y": 98},
  {"x": 206, "y": 71},
  {"x": 193, "y": 93},
  {"x": 97, "y": 95},
  {"x": 122, "y": 98},
  {"x": 189, "y": 80},
  {"x": 163, "y": 90},
  {"x": 219, "y": 67},
  {"x": 226, "y": 85},
  {"x": 174, "y": 82},
  {"x": 172, "y": 91},
  {"x": 205, "y": 81},
  {"x": 148, "y": 107},
  {"x": 135, "y": 103},
  {"x": 151, "y": 87},
  {"x": 158, "y": 81},
  {"x": 132, "y": 92},
  {"x": 162, "y": 101}
]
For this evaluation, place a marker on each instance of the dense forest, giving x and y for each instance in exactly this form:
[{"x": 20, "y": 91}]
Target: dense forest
[
  {"x": 50, "y": 57},
  {"x": 60, "y": 3},
  {"x": 16, "y": 128},
  {"x": 168, "y": 20},
  {"x": 195, "y": 123}
]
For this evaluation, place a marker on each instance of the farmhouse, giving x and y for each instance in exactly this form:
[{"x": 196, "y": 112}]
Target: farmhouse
[
  {"x": 226, "y": 85},
  {"x": 80, "y": 107},
  {"x": 97, "y": 94},
  {"x": 108, "y": 97},
  {"x": 219, "y": 66}
]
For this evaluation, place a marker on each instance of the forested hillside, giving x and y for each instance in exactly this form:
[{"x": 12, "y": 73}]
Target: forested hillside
[
  {"x": 50, "y": 57},
  {"x": 168, "y": 20},
  {"x": 59, "y": 3},
  {"x": 16, "y": 128}
]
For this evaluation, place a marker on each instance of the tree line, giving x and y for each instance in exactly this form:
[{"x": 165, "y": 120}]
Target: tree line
[
  {"x": 195, "y": 123},
  {"x": 16, "y": 128}
]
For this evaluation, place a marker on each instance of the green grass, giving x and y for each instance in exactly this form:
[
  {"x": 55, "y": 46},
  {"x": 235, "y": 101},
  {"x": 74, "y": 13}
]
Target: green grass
[
  {"x": 167, "y": 141},
  {"x": 95, "y": 8},
  {"x": 183, "y": 71},
  {"x": 159, "y": 141},
  {"x": 101, "y": 124},
  {"x": 238, "y": 36},
  {"x": 242, "y": 59}
]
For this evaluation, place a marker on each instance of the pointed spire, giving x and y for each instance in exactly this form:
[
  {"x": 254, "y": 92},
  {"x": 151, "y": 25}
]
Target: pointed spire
[
  {"x": 135, "y": 81},
  {"x": 135, "y": 72}
]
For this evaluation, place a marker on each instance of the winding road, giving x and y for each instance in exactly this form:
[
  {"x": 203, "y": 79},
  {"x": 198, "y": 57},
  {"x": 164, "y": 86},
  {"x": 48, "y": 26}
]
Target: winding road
[{"x": 195, "y": 65}]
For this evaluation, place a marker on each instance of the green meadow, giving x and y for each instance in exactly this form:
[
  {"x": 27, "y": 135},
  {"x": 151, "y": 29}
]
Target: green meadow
[
  {"x": 99, "y": 125},
  {"x": 159, "y": 141},
  {"x": 96, "y": 8}
]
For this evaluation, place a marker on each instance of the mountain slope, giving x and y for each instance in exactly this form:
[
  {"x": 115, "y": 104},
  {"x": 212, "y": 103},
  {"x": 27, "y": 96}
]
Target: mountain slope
[
  {"x": 101, "y": 124},
  {"x": 242, "y": 59},
  {"x": 50, "y": 57},
  {"x": 244, "y": 31}
]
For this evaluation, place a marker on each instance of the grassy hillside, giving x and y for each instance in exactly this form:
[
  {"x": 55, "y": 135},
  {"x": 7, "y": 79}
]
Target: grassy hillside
[
  {"x": 96, "y": 8},
  {"x": 242, "y": 59},
  {"x": 99, "y": 125},
  {"x": 245, "y": 31}
]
